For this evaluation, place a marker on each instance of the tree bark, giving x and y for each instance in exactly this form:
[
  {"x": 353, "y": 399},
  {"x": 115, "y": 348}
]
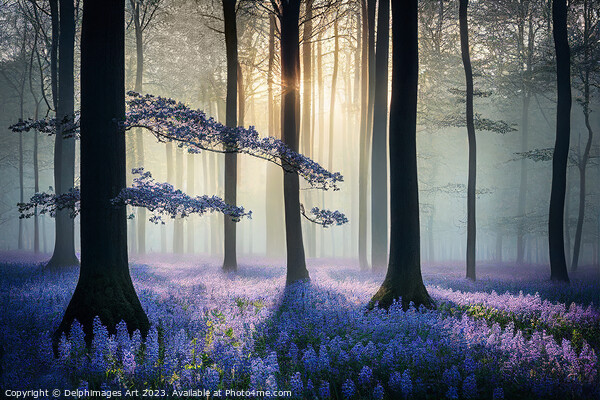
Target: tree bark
[
  {"x": 64, "y": 148},
  {"x": 104, "y": 288},
  {"x": 379, "y": 184},
  {"x": 307, "y": 133},
  {"x": 178, "y": 222},
  {"x": 138, "y": 134},
  {"x": 336, "y": 51},
  {"x": 556, "y": 242},
  {"x": 290, "y": 73},
  {"x": 586, "y": 153},
  {"x": 274, "y": 195},
  {"x": 403, "y": 279},
  {"x": 190, "y": 189},
  {"x": 230, "y": 258},
  {"x": 364, "y": 140},
  {"x": 471, "y": 183}
]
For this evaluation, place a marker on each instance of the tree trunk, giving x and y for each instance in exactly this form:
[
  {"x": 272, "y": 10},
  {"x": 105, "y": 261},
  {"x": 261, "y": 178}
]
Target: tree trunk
[
  {"x": 290, "y": 71},
  {"x": 523, "y": 182},
  {"x": 274, "y": 194},
  {"x": 104, "y": 288},
  {"x": 170, "y": 177},
  {"x": 556, "y": 242},
  {"x": 379, "y": 174},
  {"x": 307, "y": 133},
  {"x": 138, "y": 133},
  {"x": 178, "y": 222},
  {"x": 336, "y": 51},
  {"x": 190, "y": 189},
  {"x": 364, "y": 140},
  {"x": 64, "y": 148},
  {"x": 466, "y": 58},
  {"x": 527, "y": 60},
  {"x": 586, "y": 153},
  {"x": 230, "y": 259},
  {"x": 498, "y": 247},
  {"x": 403, "y": 279}
]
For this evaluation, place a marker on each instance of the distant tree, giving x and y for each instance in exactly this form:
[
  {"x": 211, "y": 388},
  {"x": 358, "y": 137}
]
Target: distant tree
[
  {"x": 403, "y": 279},
  {"x": 379, "y": 196},
  {"x": 143, "y": 12},
  {"x": 64, "y": 145},
  {"x": 586, "y": 53},
  {"x": 556, "y": 242},
  {"x": 472, "y": 182},
  {"x": 231, "y": 44},
  {"x": 364, "y": 139}
]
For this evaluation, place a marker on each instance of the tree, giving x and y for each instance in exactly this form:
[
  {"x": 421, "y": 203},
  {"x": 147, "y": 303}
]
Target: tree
[
  {"x": 403, "y": 279},
  {"x": 471, "y": 183},
  {"x": 290, "y": 73},
  {"x": 364, "y": 140},
  {"x": 230, "y": 261},
  {"x": 585, "y": 52},
  {"x": 64, "y": 146},
  {"x": 379, "y": 196},
  {"x": 143, "y": 12},
  {"x": 556, "y": 242},
  {"x": 104, "y": 288}
]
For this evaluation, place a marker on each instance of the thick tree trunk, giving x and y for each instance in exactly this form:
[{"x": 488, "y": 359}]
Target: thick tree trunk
[
  {"x": 379, "y": 174},
  {"x": 64, "y": 148},
  {"x": 230, "y": 259},
  {"x": 403, "y": 278},
  {"x": 290, "y": 74},
  {"x": 364, "y": 140},
  {"x": 556, "y": 242},
  {"x": 471, "y": 183},
  {"x": 104, "y": 288}
]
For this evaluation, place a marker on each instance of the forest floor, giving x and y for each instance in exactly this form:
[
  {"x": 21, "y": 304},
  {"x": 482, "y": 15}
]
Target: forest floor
[{"x": 511, "y": 334}]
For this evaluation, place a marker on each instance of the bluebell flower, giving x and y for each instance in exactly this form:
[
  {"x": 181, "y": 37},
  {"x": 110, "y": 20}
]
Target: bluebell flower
[
  {"x": 296, "y": 384},
  {"x": 378, "y": 392},
  {"x": 348, "y": 389},
  {"x": 324, "y": 390}
]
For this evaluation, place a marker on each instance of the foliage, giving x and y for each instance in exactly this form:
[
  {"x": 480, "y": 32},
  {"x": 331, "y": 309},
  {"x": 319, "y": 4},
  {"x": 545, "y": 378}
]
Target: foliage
[{"x": 169, "y": 120}]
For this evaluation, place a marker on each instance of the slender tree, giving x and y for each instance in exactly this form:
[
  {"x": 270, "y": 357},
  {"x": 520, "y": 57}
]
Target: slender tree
[
  {"x": 230, "y": 259},
  {"x": 290, "y": 73},
  {"x": 585, "y": 78},
  {"x": 274, "y": 195},
  {"x": 556, "y": 242},
  {"x": 471, "y": 182},
  {"x": 143, "y": 12},
  {"x": 364, "y": 140},
  {"x": 104, "y": 288},
  {"x": 379, "y": 185},
  {"x": 64, "y": 145},
  {"x": 403, "y": 279}
]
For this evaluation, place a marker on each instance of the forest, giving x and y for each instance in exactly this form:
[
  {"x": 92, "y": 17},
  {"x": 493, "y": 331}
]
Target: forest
[{"x": 310, "y": 199}]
